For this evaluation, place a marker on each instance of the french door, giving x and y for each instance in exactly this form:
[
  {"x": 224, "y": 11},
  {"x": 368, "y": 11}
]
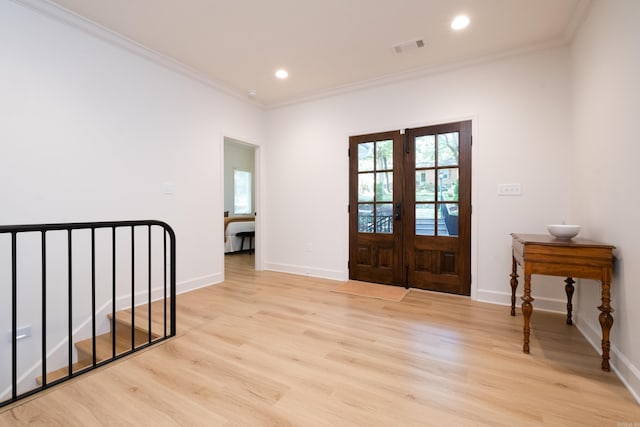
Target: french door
[{"x": 410, "y": 208}]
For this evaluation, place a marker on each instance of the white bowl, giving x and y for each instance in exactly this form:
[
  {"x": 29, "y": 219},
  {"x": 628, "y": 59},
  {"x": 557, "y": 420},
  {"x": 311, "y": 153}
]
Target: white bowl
[{"x": 563, "y": 231}]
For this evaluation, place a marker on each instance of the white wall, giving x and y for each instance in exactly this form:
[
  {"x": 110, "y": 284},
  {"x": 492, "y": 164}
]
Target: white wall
[
  {"x": 91, "y": 131},
  {"x": 237, "y": 156},
  {"x": 605, "y": 172},
  {"x": 520, "y": 109}
]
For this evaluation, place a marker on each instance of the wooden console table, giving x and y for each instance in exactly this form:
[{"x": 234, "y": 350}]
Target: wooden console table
[{"x": 576, "y": 258}]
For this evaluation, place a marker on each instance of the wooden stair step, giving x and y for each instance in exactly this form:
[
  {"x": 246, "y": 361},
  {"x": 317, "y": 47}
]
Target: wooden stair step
[
  {"x": 63, "y": 372},
  {"x": 104, "y": 344},
  {"x": 123, "y": 318}
]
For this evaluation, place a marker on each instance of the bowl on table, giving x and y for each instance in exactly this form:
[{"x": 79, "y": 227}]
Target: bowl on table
[{"x": 563, "y": 231}]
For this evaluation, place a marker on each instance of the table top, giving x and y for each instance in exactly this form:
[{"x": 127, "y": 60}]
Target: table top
[{"x": 548, "y": 240}]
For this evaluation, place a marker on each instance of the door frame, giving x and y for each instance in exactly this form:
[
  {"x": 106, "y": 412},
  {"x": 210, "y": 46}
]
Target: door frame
[
  {"x": 475, "y": 165},
  {"x": 257, "y": 165}
]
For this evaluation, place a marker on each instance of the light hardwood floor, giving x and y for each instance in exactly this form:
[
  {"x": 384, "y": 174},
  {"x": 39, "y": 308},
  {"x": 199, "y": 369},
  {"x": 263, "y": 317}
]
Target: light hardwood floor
[{"x": 272, "y": 349}]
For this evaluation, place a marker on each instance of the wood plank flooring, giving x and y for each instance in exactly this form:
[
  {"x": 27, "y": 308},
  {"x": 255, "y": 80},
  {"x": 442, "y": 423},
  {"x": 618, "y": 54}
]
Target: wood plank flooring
[{"x": 272, "y": 349}]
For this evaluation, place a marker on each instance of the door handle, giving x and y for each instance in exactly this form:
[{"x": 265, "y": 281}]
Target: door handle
[{"x": 398, "y": 211}]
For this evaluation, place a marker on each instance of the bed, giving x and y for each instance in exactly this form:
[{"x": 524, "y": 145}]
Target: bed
[{"x": 234, "y": 225}]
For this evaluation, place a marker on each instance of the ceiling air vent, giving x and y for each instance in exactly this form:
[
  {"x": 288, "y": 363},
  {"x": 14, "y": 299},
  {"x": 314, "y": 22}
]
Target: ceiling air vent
[{"x": 408, "y": 46}]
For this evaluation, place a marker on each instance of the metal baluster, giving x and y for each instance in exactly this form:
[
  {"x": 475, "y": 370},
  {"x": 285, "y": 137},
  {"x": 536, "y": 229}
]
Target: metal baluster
[
  {"x": 44, "y": 308},
  {"x": 93, "y": 295},
  {"x": 70, "y": 298},
  {"x": 149, "y": 296},
  {"x": 133, "y": 288},
  {"x": 113, "y": 292},
  {"x": 173, "y": 283},
  {"x": 14, "y": 317}
]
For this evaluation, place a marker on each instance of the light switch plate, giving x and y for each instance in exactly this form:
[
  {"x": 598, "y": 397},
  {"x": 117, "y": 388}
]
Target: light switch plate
[
  {"x": 168, "y": 188},
  {"x": 509, "y": 190}
]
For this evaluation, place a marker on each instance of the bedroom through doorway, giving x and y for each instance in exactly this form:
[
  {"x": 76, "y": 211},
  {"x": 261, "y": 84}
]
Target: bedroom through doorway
[{"x": 239, "y": 204}]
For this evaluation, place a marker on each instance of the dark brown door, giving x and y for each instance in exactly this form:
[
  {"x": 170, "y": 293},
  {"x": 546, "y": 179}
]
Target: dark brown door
[
  {"x": 375, "y": 243},
  {"x": 410, "y": 218},
  {"x": 437, "y": 223}
]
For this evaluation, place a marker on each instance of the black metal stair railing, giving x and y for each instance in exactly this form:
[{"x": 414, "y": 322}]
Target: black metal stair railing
[
  {"x": 378, "y": 224},
  {"x": 168, "y": 280}
]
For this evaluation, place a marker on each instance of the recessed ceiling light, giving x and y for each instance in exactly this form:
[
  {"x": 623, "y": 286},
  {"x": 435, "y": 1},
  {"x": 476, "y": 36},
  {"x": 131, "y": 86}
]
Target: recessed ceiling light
[
  {"x": 282, "y": 74},
  {"x": 460, "y": 22}
]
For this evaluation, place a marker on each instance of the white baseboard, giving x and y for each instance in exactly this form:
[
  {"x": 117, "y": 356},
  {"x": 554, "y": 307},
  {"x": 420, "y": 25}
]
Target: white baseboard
[
  {"x": 306, "y": 271},
  {"x": 620, "y": 364},
  {"x": 504, "y": 298},
  {"x": 198, "y": 282}
]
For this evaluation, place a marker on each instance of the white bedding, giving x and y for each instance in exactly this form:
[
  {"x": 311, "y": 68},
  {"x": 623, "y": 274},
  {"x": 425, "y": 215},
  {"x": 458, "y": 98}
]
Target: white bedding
[{"x": 233, "y": 242}]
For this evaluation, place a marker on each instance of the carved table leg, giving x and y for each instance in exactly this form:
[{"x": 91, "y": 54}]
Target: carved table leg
[
  {"x": 606, "y": 321},
  {"x": 514, "y": 285},
  {"x": 527, "y": 308},
  {"x": 569, "y": 290}
]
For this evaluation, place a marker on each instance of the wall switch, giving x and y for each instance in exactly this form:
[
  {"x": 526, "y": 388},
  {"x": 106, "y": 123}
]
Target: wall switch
[
  {"x": 509, "y": 190},
  {"x": 308, "y": 247}
]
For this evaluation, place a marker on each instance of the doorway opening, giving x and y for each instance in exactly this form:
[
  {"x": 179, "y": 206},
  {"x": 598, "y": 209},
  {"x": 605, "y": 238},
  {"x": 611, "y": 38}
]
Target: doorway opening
[
  {"x": 410, "y": 208},
  {"x": 239, "y": 204}
]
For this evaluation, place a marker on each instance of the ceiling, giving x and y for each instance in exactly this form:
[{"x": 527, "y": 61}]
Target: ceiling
[{"x": 327, "y": 45}]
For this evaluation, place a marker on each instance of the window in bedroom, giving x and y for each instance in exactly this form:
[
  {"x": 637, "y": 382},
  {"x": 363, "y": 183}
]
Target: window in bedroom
[{"x": 241, "y": 192}]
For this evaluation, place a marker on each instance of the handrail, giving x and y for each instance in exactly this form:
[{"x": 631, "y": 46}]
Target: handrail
[
  {"x": 168, "y": 282},
  {"x": 83, "y": 225}
]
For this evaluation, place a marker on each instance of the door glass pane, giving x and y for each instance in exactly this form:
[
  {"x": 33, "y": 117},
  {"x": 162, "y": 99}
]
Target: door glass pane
[
  {"x": 384, "y": 186},
  {"x": 365, "y": 187},
  {"x": 448, "y": 184},
  {"x": 447, "y": 219},
  {"x": 425, "y": 151},
  {"x": 425, "y": 219},
  {"x": 384, "y": 218},
  {"x": 384, "y": 155},
  {"x": 365, "y": 157},
  {"x": 425, "y": 185},
  {"x": 365, "y": 218},
  {"x": 448, "y": 149}
]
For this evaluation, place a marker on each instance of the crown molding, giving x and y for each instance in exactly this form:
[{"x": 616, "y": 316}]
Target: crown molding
[
  {"x": 61, "y": 14},
  {"x": 65, "y": 16},
  {"x": 416, "y": 73}
]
